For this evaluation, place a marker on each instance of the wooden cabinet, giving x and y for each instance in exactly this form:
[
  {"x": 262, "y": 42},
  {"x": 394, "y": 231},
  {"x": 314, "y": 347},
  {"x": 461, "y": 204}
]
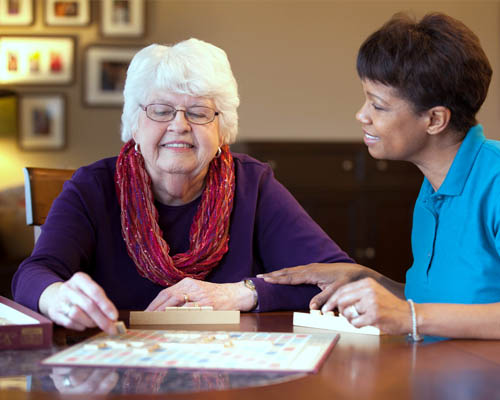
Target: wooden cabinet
[{"x": 365, "y": 205}]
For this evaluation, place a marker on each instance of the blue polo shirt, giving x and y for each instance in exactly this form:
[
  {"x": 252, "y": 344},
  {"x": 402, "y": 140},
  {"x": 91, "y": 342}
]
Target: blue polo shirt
[{"x": 455, "y": 237}]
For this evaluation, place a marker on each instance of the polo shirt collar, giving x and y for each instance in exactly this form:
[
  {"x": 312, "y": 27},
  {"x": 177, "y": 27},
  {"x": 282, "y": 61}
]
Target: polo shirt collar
[{"x": 461, "y": 167}]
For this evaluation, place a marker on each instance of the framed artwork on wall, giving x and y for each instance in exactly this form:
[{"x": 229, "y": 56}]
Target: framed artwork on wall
[
  {"x": 123, "y": 18},
  {"x": 17, "y": 12},
  {"x": 42, "y": 121},
  {"x": 104, "y": 74},
  {"x": 67, "y": 12},
  {"x": 37, "y": 60}
]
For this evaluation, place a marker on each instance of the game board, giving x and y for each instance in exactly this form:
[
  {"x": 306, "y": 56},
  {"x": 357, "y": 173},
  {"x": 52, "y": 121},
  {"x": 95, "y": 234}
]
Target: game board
[
  {"x": 315, "y": 319},
  {"x": 257, "y": 351}
]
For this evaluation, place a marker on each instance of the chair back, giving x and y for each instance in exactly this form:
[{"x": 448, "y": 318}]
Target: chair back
[{"x": 41, "y": 187}]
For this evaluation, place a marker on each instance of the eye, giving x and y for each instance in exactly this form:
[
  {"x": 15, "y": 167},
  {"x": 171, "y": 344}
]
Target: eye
[
  {"x": 162, "y": 111},
  {"x": 196, "y": 114},
  {"x": 377, "y": 107}
]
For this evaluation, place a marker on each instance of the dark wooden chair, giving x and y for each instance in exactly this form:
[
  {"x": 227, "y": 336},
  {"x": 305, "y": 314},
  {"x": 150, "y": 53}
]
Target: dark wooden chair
[{"x": 41, "y": 187}]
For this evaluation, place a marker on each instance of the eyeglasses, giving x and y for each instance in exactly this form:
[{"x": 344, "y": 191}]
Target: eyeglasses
[{"x": 163, "y": 113}]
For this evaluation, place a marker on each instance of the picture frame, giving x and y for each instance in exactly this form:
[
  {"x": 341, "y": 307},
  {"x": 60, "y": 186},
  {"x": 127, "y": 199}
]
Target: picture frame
[
  {"x": 17, "y": 12},
  {"x": 104, "y": 74},
  {"x": 42, "y": 121},
  {"x": 122, "y": 18},
  {"x": 67, "y": 12},
  {"x": 37, "y": 60}
]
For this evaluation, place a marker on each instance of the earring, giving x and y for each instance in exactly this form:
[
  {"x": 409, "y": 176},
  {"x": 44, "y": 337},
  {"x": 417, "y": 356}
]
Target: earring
[
  {"x": 137, "y": 149},
  {"x": 219, "y": 152}
]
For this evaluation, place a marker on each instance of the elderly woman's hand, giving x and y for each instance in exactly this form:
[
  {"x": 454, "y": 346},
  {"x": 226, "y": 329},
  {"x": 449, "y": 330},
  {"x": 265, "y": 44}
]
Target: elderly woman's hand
[
  {"x": 192, "y": 292},
  {"x": 366, "y": 302},
  {"x": 79, "y": 303}
]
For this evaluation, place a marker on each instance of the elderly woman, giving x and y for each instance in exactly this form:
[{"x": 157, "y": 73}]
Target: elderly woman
[
  {"x": 424, "y": 83},
  {"x": 177, "y": 218}
]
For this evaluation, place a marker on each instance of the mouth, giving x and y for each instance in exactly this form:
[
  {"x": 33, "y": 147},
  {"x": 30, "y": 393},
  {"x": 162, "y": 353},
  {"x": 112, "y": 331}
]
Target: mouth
[
  {"x": 177, "y": 145},
  {"x": 371, "y": 137}
]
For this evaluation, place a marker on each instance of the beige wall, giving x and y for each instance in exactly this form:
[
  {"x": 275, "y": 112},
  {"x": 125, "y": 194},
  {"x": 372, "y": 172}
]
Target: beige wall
[{"x": 294, "y": 62}]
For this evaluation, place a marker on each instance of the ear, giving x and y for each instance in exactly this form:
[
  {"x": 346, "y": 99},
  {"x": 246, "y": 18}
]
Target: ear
[{"x": 439, "y": 118}]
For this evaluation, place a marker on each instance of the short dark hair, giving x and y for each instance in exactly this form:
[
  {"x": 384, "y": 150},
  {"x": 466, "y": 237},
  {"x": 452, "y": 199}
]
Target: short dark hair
[{"x": 435, "y": 62}]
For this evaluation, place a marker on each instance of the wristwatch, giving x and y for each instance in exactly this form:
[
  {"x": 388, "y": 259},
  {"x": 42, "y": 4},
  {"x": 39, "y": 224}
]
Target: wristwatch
[{"x": 249, "y": 284}]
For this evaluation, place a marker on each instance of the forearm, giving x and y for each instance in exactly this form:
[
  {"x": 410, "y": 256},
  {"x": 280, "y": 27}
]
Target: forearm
[
  {"x": 397, "y": 288},
  {"x": 479, "y": 321},
  {"x": 30, "y": 281}
]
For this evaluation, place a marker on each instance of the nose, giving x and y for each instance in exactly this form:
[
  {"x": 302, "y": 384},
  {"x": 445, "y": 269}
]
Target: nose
[
  {"x": 362, "y": 115},
  {"x": 179, "y": 123}
]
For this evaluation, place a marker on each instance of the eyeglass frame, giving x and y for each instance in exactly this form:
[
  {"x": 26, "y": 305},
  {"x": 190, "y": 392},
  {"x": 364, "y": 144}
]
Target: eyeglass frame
[{"x": 145, "y": 109}]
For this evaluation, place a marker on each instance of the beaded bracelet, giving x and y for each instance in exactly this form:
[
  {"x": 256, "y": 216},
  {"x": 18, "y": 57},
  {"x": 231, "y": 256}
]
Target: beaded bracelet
[{"x": 414, "y": 334}]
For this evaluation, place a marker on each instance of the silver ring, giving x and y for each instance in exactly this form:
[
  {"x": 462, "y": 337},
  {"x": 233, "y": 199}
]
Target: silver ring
[
  {"x": 67, "y": 309},
  {"x": 67, "y": 381},
  {"x": 353, "y": 310}
]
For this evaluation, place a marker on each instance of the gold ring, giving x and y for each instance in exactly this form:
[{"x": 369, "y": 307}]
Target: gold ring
[{"x": 186, "y": 298}]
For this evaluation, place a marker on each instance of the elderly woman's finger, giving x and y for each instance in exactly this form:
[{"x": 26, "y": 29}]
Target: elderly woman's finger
[
  {"x": 78, "y": 319},
  {"x": 91, "y": 306},
  {"x": 88, "y": 286},
  {"x": 173, "y": 296}
]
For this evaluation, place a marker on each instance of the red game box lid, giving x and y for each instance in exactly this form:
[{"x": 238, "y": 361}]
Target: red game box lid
[{"x": 23, "y": 328}]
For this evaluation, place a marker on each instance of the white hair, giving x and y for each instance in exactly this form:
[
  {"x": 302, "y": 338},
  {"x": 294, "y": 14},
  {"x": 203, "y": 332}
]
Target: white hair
[{"x": 191, "y": 67}]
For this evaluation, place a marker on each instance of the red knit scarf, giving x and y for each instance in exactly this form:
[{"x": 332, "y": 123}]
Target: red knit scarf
[{"x": 209, "y": 233}]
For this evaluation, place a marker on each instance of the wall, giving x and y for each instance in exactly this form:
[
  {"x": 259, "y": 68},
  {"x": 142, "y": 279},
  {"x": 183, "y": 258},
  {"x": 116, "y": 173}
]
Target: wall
[{"x": 294, "y": 61}]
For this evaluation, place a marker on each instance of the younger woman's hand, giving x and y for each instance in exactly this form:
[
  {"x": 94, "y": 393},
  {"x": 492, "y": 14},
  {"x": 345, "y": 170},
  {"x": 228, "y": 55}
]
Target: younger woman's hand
[
  {"x": 319, "y": 274},
  {"x": 366, "y": 302}
]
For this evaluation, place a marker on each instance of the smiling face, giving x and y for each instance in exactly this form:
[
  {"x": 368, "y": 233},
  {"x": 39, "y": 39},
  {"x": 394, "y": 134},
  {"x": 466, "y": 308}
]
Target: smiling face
[
  {"x": 392, "y": 130},
  {"x": 177, "y": 147}
]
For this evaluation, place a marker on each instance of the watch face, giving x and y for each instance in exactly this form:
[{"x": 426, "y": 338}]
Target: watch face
[{"x": 249, "y": 284}]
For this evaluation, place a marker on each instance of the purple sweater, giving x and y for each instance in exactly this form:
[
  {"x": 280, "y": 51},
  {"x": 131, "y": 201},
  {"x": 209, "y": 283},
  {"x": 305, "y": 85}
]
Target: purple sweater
[{"x": 269, "y": 230}]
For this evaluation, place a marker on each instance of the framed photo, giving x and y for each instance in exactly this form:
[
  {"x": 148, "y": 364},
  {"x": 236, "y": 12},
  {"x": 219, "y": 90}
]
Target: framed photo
[
  {"x": 17, "y": 12},
  {"x": 37, "y": 60},
  {"x": 104, "y": 74},
  {"x": 67, "y": 12},
  {"x": 123, "y": 18},
  {"x": 42, "y": 121}
]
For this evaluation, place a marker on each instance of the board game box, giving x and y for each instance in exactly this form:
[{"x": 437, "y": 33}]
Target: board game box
[
  {"x": 22, "y": 328},
  {"x": 245, "y": 351}
]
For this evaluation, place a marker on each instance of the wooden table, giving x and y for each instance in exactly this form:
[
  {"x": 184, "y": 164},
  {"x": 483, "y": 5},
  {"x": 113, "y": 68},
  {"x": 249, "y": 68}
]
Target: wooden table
[{"x": 359, "y": 367}]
